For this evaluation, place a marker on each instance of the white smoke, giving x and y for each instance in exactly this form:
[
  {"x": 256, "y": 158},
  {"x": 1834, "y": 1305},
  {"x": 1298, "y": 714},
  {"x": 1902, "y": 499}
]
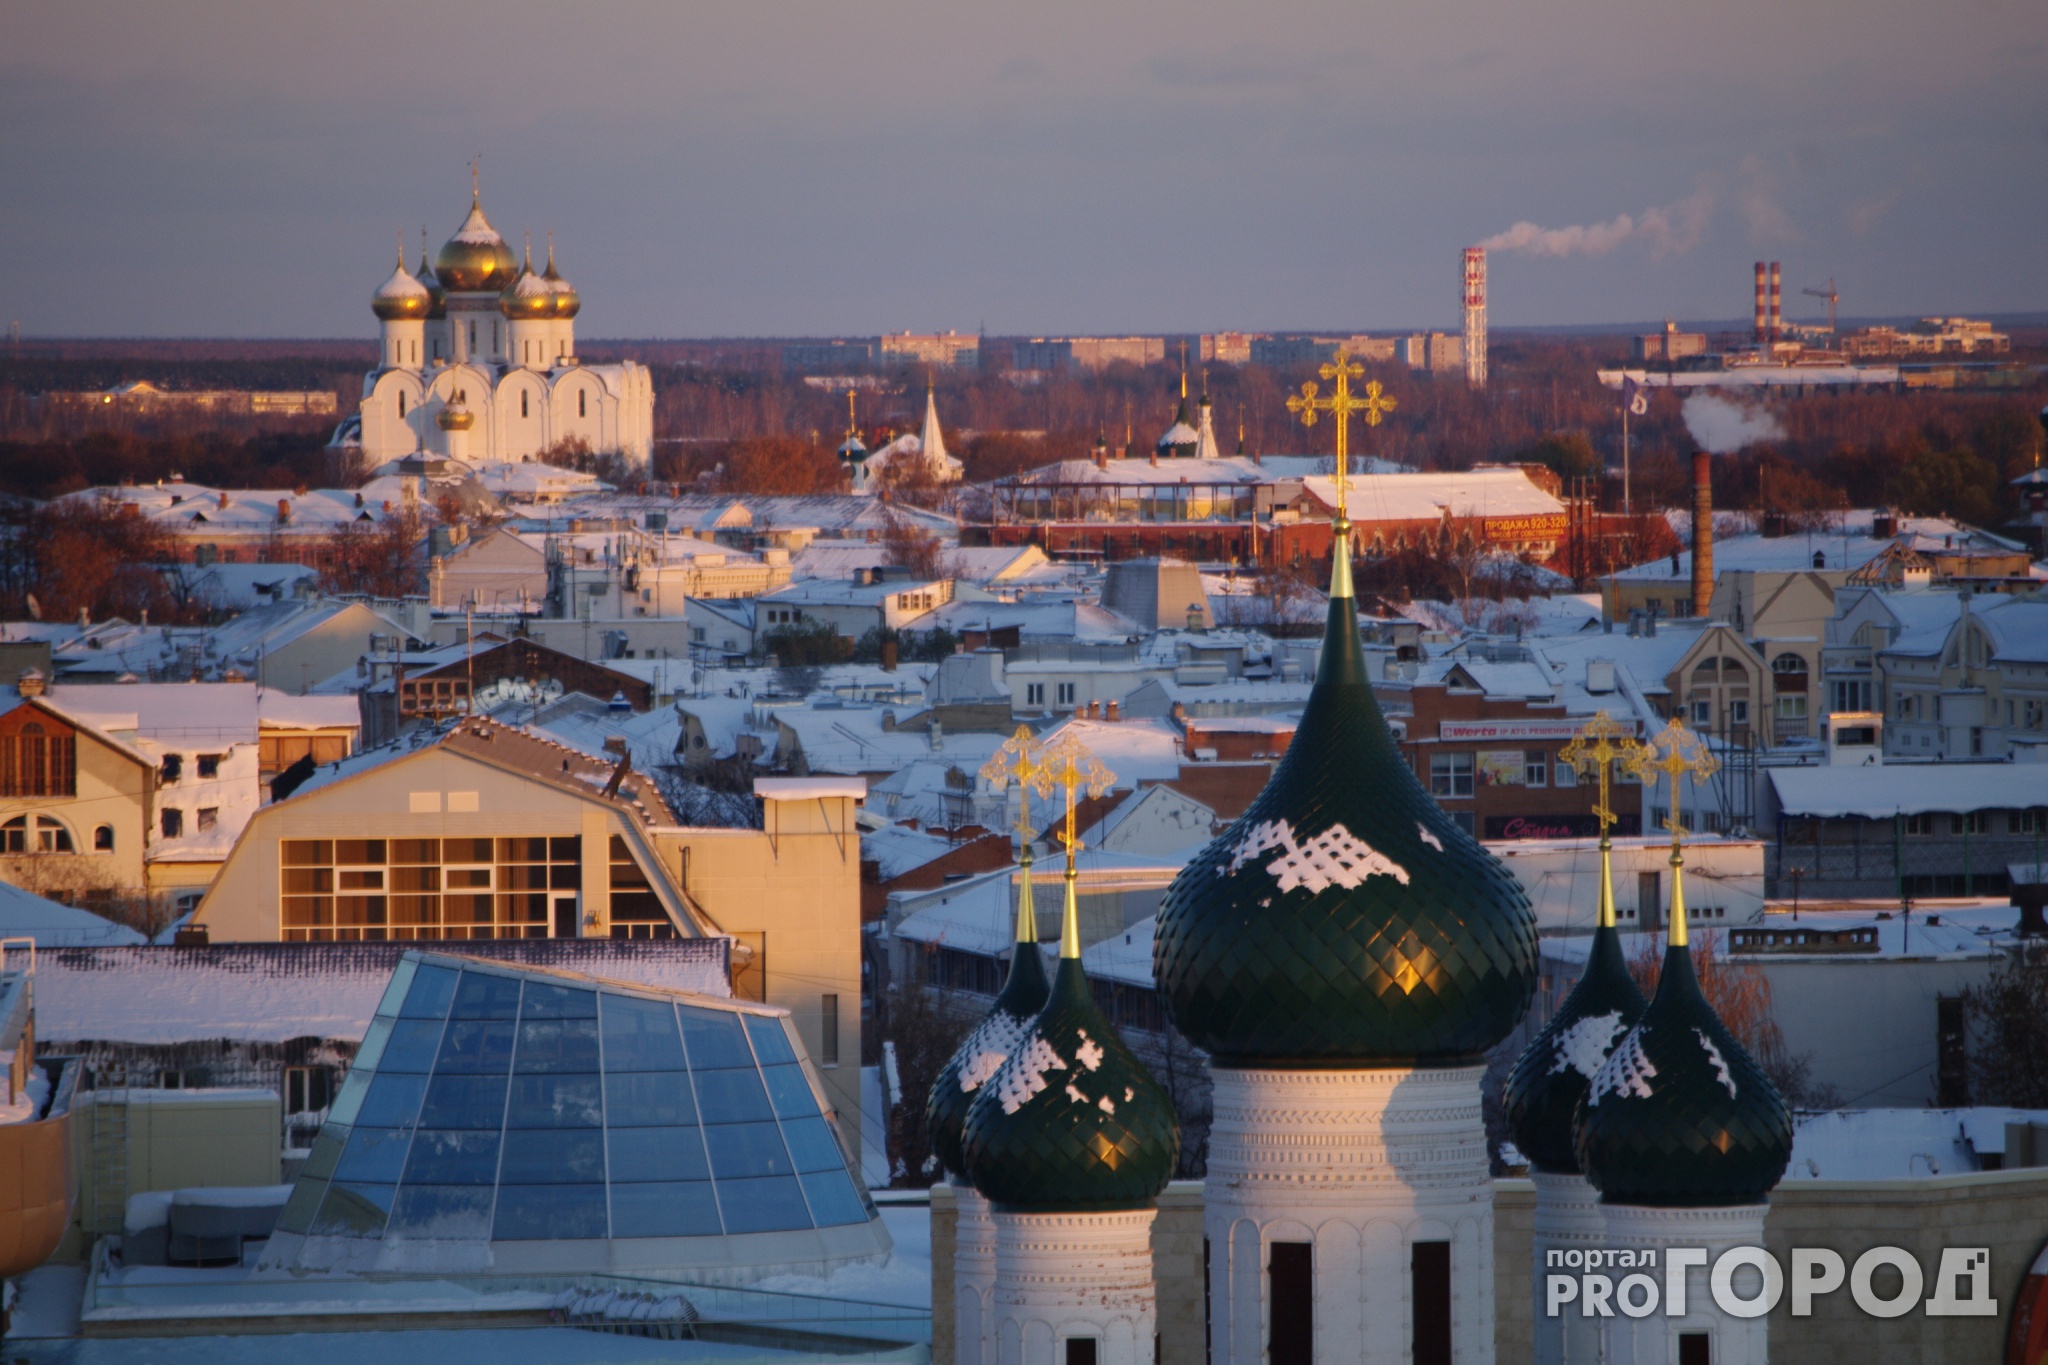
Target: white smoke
[
  {"x": 1671, "y": 230},
  {"x": 1723, "y": 426}
]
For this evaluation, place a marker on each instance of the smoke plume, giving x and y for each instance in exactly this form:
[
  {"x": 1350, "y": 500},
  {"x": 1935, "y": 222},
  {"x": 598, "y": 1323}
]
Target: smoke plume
[
  {"x": 1723, "y": 426},
  {"x": 1670, "y": 230}
]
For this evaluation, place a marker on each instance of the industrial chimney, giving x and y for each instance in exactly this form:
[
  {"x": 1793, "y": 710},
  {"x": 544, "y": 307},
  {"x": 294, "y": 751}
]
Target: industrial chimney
[
  {"x": 1763, "y": 303},
  {"x": 1702, "y": 532},
  {"x": 1777, "y": 312},
  {"x": 1475, "y": 316}
]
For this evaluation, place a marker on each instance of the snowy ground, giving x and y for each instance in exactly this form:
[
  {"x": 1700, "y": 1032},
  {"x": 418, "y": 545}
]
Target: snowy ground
[{"x": 905, "y": 1281}]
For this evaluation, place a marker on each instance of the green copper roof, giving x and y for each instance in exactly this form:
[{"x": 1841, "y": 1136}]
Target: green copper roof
[
  {"x": 1679, "y": 1115},
  {"x": 1345, "y": 919},
  {"x": 1544, "y": 1089},
  {"x": 992, "y": 1041},
  {"x": 1073, "y": 1120}
]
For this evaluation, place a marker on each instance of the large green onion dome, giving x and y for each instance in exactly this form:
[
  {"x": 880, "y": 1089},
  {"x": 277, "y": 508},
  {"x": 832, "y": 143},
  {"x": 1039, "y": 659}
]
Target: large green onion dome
[
  {"x": 1679, "y": 1115},
  {"x": 1544, "y": 1089},
  {"x": 1073, "y": 1122},
  {"x": 1344, "y": 920},
  {"x": 993, "y": 1040}
]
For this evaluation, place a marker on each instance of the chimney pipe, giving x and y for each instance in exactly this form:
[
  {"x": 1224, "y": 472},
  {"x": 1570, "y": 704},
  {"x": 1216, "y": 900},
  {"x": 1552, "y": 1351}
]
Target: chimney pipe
[
  {"x": 1763, "y": 303},
  {"x": 1777, "y": 313},
  {"x": 1702, "y": 532}
]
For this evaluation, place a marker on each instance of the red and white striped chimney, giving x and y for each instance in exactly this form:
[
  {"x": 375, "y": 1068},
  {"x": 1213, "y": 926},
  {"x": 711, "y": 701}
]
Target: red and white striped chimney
[
  {"x": 1777, "y": 312},
  {"x": 1763, "y": 303}
]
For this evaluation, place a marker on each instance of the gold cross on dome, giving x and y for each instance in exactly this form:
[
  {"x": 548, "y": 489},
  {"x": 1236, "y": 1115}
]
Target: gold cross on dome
[
  {"x": 1675, "y": 752},
  {"x": 1019, "y": 757},
  {"x": 1066, "y": 762},
  {"x": 1340, "y": 405},
  {"x": 1592, "y": 752}
]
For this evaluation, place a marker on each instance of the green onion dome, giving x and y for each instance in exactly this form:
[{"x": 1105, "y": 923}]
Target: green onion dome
[
  {"x": 1073, "y": 1120},
  {"x": 1544, "y": 1089},
  {"x": 1679, "y": 1115},
  {"x": 993, "y": 1040},
  {"x": 1344, "y": 920},
  {"x": 1179, "y": 441}
]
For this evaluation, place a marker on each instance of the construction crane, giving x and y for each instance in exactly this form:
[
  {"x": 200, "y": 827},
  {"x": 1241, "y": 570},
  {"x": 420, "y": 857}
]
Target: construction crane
[{"x": 1830, "y": 295}]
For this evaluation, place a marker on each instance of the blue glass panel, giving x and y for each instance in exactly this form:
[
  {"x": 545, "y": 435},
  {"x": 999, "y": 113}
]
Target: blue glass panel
[
  {"x": 464, "y": 1102},
  {"x": 833, "y": 1202},
  {"x": 412, "y": 1047},
  {"x": 374, "y": 1154},
  {"x": 446, "y": 1157},
  {"x": 771, "y": 1039},
  {"x": 648, "y": 1098},
  {"x": 300, "y": 1208},
  {"x": 477, "y": 1045},
  {"x": 640, "y": 1035},
  {"x": 644, "y": 1154},
  {"x": 812, "y": 1145},
  {"x": 680, "y": 1210},
  {"x": 742, "y": 1149},
  {"x": 442, "y": 1212},
  {"x": 534, "y": 1212},
  {"x": 732, "y": 1096},
  {"x": 558, "y": 1002},
  {"x": 557, "y": 1045},
  {"x": 326, "y": 1150},
  {"x": 555, "y": 1102},
  {"x": 715, "y": 1038},
  {"x": 349, "y": 1102},
  {"x": 772, "y": 1205},
  {"x": 483, "y": 995},
  {"x": 552, "y": 1156},
  {"x": 372, "y": 1049},
  {"x": 789, "y": 1090},
  {"x": 393, "y": 1101},
  {"x": 401, "y": 982},
  {"x": 353, "y": 1211},
  {"x": 432, "y": 989}
]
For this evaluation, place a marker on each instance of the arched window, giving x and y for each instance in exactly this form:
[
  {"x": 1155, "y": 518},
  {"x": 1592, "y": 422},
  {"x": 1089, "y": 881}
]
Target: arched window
[
  {"x": 1707, "y": 670},
  {"x": 34, "y": 834},
  {"x": 583, "y": 402},
  {"x": 522, "y": 401},
  {"x": 401, "y": 404},
  {"x": 103, "y": 839},
  {"x": 1786, "y": 664}
]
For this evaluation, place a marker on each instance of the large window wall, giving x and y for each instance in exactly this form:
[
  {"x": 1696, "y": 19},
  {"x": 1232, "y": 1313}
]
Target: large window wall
[{"x": 372, "y": 890}]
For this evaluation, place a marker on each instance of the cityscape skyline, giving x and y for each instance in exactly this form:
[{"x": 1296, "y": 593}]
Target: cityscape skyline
[{"x": 1065, "y": 172}]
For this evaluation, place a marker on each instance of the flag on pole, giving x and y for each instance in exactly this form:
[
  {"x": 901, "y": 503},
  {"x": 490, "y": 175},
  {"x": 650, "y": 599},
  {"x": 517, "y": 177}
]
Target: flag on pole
[{"x": 1635, "y": 397}]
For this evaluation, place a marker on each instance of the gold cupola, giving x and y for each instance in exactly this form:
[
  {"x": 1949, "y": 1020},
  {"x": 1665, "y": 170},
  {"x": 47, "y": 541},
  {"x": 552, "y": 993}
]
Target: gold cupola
[
  {"x": 475, "y": 260},
  {"x": 528, "y": 298},
  {"x": 567, "y": 302},
  {"x": 402, "y": 297}
]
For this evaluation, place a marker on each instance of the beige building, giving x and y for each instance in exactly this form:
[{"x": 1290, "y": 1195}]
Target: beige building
[
  {"x": 494, "y": 833},
  {"x": 76, "y": 807}
]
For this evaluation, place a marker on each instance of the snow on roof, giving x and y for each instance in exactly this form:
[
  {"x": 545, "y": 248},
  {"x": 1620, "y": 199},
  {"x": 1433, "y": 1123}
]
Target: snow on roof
[
  {"x": 237, "y": 587},
  {"x": 898, "y": 849},
  {"x": 227, "y": 712},
  {"x": 851, "y": 739},
  {"x": 1034, "y": 620},
  {"x": 26, "y": 915},
  {"x": 1956, "y": 937},
  {"x": 1429, "y": 497},
  {"x": 1899, "y": 1144},
  {"x": 810, "y": 788},
  {"x": 650, "y": 736},
  {"x": 1141, "y": 750},
  {"x": 1880, "y": 791},
  {"x": 1849, "y": 547},
  {"x": 270, "y": 992},
  {"x": 1125, "y": 957}
]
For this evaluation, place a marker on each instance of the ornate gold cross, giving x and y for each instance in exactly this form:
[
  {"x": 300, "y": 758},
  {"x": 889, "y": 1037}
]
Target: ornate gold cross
[
  {"x": 1019, "y": 757},
  {"x": 1066, "y": 762},
  {"x": 1675, "y": 752},
  {"x": 1340, "y": 405},
  {"x": 1593, "y": 750}
]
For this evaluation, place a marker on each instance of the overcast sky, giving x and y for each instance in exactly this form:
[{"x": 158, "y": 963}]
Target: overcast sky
[{"x": 763, "y": 167}]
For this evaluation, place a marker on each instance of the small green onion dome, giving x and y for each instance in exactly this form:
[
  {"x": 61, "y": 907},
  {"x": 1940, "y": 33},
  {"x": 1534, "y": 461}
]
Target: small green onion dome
[
  {"x": 1679, "y": 1115},
  {"x": 991, "y": 1043},
  {"x": 1544, "y": 1089},
  {"x": 1345, "y": 920},
  {"x": 1073, "y": 1122}
]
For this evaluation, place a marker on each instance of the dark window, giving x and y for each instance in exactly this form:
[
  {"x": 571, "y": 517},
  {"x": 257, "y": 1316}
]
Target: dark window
[
  {"x": 103, "y": 839},
  {"x": 1292, "y": 1290},
  {"x": 174, "y": 822},
  {"x": 1080, "y": 1351},
  {"x": 1430, "y": 1283},
  {"x": 522, "y": 402},
  {"x": 1695, "y": 1348},
  {"x": 828, "y": 1023},
  {"x": 582, "y": 403},
  {"x": 1649, "y": 896},
  {"x": 209, "y": 765},
  {"x": 173, "y": 767}
]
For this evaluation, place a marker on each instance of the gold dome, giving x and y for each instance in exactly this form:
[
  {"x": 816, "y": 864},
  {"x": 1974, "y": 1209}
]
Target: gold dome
[
  {"x": 528, "y": 298},
  {"x": 437, "y": 297},
  {"x": 475, "y": 260},
  {"x": 401, "y": 297},
  {"x": 455, "y": 417},
  {"x": 567, "y": 302}
]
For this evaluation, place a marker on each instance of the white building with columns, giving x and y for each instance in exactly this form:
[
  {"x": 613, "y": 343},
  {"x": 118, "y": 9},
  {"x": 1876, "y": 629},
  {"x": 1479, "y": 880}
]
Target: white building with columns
[{"x": 484, "y": 332}]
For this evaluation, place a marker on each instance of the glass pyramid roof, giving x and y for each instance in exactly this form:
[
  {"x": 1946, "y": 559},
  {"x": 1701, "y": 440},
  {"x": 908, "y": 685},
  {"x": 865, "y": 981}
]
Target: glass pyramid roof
[{"x": 493, "y": 1106}]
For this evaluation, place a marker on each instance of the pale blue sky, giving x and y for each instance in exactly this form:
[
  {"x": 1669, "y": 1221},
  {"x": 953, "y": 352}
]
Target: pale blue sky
[{"x": 767, "y": 167}]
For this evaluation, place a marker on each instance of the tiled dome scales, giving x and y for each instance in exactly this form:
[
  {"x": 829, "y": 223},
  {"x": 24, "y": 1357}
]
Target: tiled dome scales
[{"x": 1347, "y": 953}]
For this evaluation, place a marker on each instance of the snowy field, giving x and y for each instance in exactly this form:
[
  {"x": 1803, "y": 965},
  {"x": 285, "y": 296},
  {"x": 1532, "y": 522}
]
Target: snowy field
[{"x": 46, "y": 1323}]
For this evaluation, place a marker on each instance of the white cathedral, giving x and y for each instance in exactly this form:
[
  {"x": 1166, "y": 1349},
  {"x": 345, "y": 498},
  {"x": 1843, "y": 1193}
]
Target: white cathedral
[{"x": 478, "y": 363}]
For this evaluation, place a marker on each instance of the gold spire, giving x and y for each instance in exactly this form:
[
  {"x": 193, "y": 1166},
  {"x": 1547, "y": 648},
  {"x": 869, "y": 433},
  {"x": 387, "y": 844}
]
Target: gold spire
[
  {"x": 1340, "y": 405},
  {"x": 401, "y": 248},
  {"x": 476, "y": 181},
  {"x": 1066, "y": 762},
  {"x": 1593, "y": 750},
  {"x": 1019, "y": 757},
  {"x": 1677, "y": 753},
  {"x": 527, "y": 267},
  {"x": 551, "y": 251}
]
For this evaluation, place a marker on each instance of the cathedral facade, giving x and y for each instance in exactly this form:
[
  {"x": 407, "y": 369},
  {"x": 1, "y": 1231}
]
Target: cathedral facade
[{"x": 477, "y": 362}]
